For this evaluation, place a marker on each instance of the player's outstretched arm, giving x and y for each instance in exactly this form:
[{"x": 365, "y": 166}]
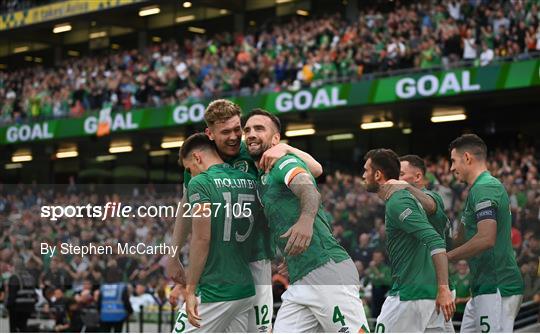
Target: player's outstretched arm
[
  {"x": 273, "y": 154},
  {"x": 483, "y": 240},
  {"x": 182, "y": 228},
  {"x": 198, "y": 253},
  {"x": 310, "y": 199}
]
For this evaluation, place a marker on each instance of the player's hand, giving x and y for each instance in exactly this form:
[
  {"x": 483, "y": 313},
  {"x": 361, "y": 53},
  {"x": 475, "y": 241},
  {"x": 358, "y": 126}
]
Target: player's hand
[
  {"x": 177, "y": 292},
  {"x": 299, "y": 236},
  {"x": 391, "y": 186},
  {"x": 283, "y": 269},
  {"x": 175, "y": 271},
  {"x": 192, "y": 310},
  {"x": 272, "y": 155},
  {"x": 445, "y": 302}
]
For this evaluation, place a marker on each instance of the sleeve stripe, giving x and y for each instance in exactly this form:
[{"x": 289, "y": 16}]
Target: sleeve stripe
[
  {"x": 194, "y": 197},
  {"x": 292, "y": 173},
  {"x": 437, "y": 251},
  {"x": 406, "y": 213},
  {"x": 286, "y": 162},
  {"x": 483, "y": 205}
]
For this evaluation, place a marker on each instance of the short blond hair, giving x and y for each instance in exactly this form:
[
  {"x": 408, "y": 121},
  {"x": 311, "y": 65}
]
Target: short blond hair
[{"x": 220, "y": 111}]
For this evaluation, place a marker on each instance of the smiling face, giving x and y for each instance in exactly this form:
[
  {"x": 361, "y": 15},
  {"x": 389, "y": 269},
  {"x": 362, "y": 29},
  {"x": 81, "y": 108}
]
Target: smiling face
[
  {"x": 459, "y": 164},
  {"x": 227, "y": 135},
  {"x": 261, "y": 134},
  {"x": 462, "y": 267}
]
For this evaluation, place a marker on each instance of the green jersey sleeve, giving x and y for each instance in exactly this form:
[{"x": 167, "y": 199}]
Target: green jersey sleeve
[
  {"x": 287, "y": 167},
  {"x": 485, "y": 202},
  {"x": 439, "y": 210},
  {"x": 198, "y": 191},
  {"x": 407, "y": 212}
]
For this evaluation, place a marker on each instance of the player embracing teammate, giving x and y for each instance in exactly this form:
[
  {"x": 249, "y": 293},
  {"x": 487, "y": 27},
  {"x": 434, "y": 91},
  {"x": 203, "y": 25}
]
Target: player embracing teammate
[
  {"x": 228, "y": 286},
  {"x": 484, "y": 235},
  {"x": 219, "y": 295}
]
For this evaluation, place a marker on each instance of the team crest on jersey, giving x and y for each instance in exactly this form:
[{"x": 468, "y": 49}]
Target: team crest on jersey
[
  {"x": 241, "y": 165},
  {"x": 264, "y": 179}
]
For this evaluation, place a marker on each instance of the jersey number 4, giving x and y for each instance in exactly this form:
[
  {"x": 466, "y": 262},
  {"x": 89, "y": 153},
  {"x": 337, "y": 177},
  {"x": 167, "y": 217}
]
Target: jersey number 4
[{"x": 338, "y": 317}]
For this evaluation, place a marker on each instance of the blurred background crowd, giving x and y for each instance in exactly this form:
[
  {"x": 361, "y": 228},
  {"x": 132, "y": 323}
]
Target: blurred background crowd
[
  {"x": 68, "y": 284},
  {"x": 303, "y": 52}
]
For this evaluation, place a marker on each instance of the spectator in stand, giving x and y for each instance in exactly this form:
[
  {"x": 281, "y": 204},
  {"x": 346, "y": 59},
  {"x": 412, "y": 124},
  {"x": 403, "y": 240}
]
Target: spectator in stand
[
  {"x": 469, "y": 46},
  {"x": 380, "y": 277},
  {"x": 487, "y": 55},
  {"x": 462, "y": 281},
  {"x": 531, "y": 279},
  {"x": 141, "y": 299},
  {"x": 302, "y": 52},
  {"x": 363, "y": 252}
]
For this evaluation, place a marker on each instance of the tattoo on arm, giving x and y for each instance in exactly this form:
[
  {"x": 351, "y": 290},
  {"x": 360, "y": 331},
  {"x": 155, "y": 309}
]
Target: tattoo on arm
[{"x": 310, "y": 198}]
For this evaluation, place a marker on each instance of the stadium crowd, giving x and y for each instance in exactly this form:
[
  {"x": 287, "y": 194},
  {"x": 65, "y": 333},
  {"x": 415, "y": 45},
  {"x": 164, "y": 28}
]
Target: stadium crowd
[
  {"x": 68, "y": 284},
  {"x": 303, "y": 52}
]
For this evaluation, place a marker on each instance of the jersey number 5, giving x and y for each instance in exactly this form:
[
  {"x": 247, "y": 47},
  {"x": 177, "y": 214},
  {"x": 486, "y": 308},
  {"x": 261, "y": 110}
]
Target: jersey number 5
[{"x": 483, "y": 322}]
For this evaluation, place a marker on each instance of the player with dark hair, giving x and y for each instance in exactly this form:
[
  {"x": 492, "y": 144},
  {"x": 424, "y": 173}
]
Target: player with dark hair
[
  {"x": 221, "y": 241},
  {"x": 224, "y": 128},
  {"x": 416, "y": 252},
  {"x": 497, "y": 286},
  {"x": 324, "y": 289},
  {"x": 412, "y": 177}
]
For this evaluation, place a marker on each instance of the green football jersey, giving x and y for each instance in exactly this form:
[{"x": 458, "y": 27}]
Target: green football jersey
[
  {"x": 463, "y": 289},
  {"x": 262, "y": 248},
  {"x": 282, "y": 210},
  {"x": 411, "y": 241},
  {"x": 441, "y": 223},
  {"x": 230, "y": 194},
  {"x": 495, "y": 268},
  {"x": 438, "y": 219}
]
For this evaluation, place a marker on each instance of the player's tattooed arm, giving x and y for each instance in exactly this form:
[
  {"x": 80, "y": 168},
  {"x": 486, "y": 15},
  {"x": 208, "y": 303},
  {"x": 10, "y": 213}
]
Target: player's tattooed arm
[
  {"x": 198, "y": 253},
  {"x": 310, "y": 199},
  {"x": 273, "y": 154}
]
